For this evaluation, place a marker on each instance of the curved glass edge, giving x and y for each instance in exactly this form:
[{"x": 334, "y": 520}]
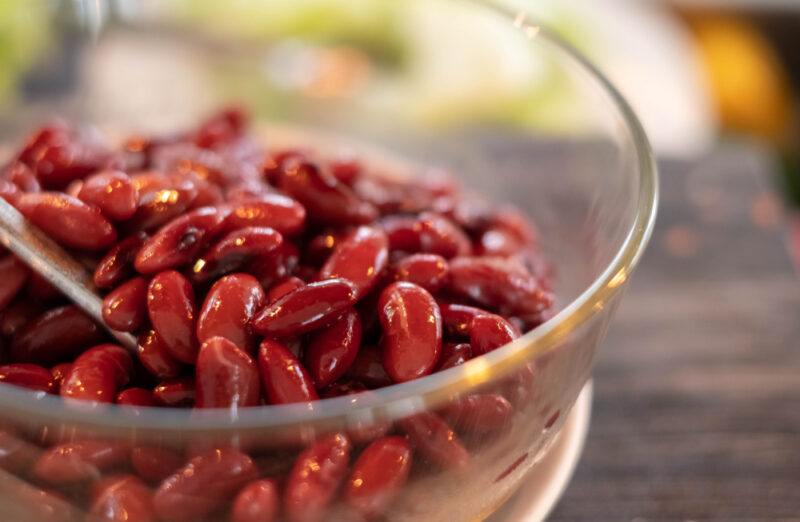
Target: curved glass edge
[{"x": 412, "y": 397}]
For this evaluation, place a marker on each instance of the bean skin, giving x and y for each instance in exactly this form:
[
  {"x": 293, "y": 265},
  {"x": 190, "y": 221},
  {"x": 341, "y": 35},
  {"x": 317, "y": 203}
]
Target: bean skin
[
  {"x": 235, "y": 250},
  {"x": 332, "y": 350},
  {"x": 155, "y": 358},
  {"x": 59, "y": 373},
  {"x": 258, "y": 501},
  {"x": 97, "y": 374},
  {"x": 283, "y": 287},
  {"x": 283, "y": 377},
  {"x": 430, "y": 271},
  {"x": 458, "y": 318},
  {"x": 489, "y": 332},
  {"x": 68, "y": 220},
  {"x": 17, "y": 315},
  {"x": 112, "y": 192},
  {"x": 9, "y": 191},
  {"x": 454, "y": 354},
  {"x": 229, "y": 308},
  {"x": 204, "y": 485},
  {"x": 436, "y": 440},
  {"x": 154, "y": 464},
  {"x": 170, "y": 305},
  {"x": 315, "y": 478},
  {"x": 275, "y": 211},
  {"x": 221, "y": 128},
  {"x": 429, "y": 233},
  {"x": 55, "y": 336},
  {"x": 412, "y": 331},
  {"x": 60, "y": 162},
  {"x": 161, "y": 200},
  {"x": 117, "y": 265},
  {"x": 306, "y": 308},
  {"x": 274, "y": 267},
  {"x": 480, "y": 413},
  {"x": 122, "y": 498},
  {"x": 361, "y": 258},
  {"x": 176, "y": 393},
  {"x": 225, "y": 376},
  {"x": 79, "y": 461},
  {"x": 368, "y": 368},
  {"x": 23, "y": 178},
  {"x": 31, "y": 376},
  {"x": 136, "y": 397},
  {"x": 378, "y": 475},
  {"x": 15, "y": 275},
  {"x": 125, "y": 308},
  {"x": 17, "y": 456}
]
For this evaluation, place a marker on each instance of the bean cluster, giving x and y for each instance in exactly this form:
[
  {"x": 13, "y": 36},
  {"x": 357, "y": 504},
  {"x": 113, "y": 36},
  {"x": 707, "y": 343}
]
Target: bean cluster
[{"x": 255, "y": 277}]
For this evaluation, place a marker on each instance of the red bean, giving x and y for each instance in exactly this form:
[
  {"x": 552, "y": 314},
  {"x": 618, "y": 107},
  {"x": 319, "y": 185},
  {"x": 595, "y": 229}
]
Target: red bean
[
  {"x": 498, "y": 283},
  {"x": 9, "y": 191},
  {"x": 68, "y": 220},
  {"x": 15, "y": 275},
  {"x": 125, "y": 308},
  {"x": 412, "y": 331},
  {"x": 176, "y": 393},
  {"x": 378, "y": 475},
  {"x": 17, "y": 456},
  {"x": 454, "y": 354},
  {"x": 136, "y": 397},
  {"x": 154, "y": 464},
  {"x": 346, "y": 168},
  {"x": 59, "y": 373},
  {"x": 283, "y": 287},
  {"x": 225, "y": 376},
  {"x": 436, "y": 440},
  {"x": 272, "y": 268},
  {"x": 57, "y": 335},
  {"x": 235, "y": 250},
  {"x": 273, "y": 165},
  {"x": 17, "y": 315},
  {"x": 275, "y": 211},
  {"x": 79, "y": 461},
  {"x": 498, "y": 243},
  {"x": 204, "y": 485},
  {"x": 325, "y": 198},
  {"x": 155, "y": 358},
  {"x": 170, "y": 305},
  {"x": 319, "y": 248},
  {"x": 361, "y": 258},
  {"x": 332, "y": 350},
  {"x": 480, "y": 413},
  {"x": 58, "y": 163},
  {"x": 429, "y": 233},
  {"x": 315, "y": 478},
  {"x": 306, "y": 308},
  {"x": 257, "y": 502},
  {"x": 458, "y": 318},
  {"x": 112, "y": 192},
  {"x": 161, "y": 199},
  {"x": 489, "y": 332},
  {"x": 31, "y": 504},
  {"x": 223, "y": 127},
  {"x": 429, "y": 271},
  {"x": 117, "y": 265},
  {"x": 41, "y": 290},
  {"x": 97, "y": 374},
  {"x": 122, "y": 498},
  {"x": 229, "y": 308},
  {"x": 180, "y": 241},
  {"x": 23, "y": 177},
  {"x": 283, "y": 377},
  {"x": 31, "y": 376},
  {"x": 368, "y": 368}
]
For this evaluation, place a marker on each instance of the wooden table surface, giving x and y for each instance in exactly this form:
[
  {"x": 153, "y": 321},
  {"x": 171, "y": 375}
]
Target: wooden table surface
[{"x": 697, "y": 386}]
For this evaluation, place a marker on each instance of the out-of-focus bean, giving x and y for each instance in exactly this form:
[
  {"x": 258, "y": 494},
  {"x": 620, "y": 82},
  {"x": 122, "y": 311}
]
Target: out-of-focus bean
[
  {"x": 55, "y": 336},
  {"x": 436, "y": 440},
  {"x": 136, "y": 397},
  {"x": 97, "y": 374},
  {"x": 480, "y": 413},
  {"x": 112, "y": 192},
  {"x": 258, "y": 501},
  {"x": 28, "y": 375},
  {"x": 16, "y": 454},
  {"x": 378, "y": 475},
  {"x": 79, "y": 461},
  {"x": 225, "y": 376},
  {"x": 15, "y": 275},
  {"x": 17, "y": 316},
  {"x": 275, "y": 211},
  {"x": 176, "y": 393},
  {"x": 429, "y": 233},
  {"x": 170, "y": 305},
  {"x": 154, "y": 464},
  {"x": 229, "y": 308},
  {"x": 283, "y": 376},
  {"x": 117, "y": 265},
  {"x": 68, "y": 220},
  {"x": 125, "y": 308},
  {"x": 122, "y": 498},
  {"x": 161, "y": 199}
]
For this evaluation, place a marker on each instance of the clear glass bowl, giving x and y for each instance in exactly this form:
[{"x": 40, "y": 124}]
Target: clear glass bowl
[{"x": 504, "y": 104}]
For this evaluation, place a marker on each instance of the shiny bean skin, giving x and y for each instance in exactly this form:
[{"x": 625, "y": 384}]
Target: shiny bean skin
[
  {"x": 26, "y": 375},
  {"x": 275, "y": 211},
  {"x": 229, "y": 308},
  {"x": 283, "y": 376},
  {"x": 378, "y": 475},
  {"x": 436, "y": 440},
  {"x": 97, "y": 374},
  {"x": 225, "y": 376},
  {"x": 125, "y": 308},
  {"x": 274, "y": 267},
  {"x": 429, "y": 271},
  {"x": 368, "y": 368},
  {"x": 235, "y": 250},
  {"x": 59, "y": 373},
  {"x": 79, "y": 461},
  {"x": 155, "y": 358},
  {"x": 332, "y": 350},
  {"x": 361, "y": 258},
  {"x": 489, "y": 332},
  {"x": 204, "y": 485},
  {"x": 14, "y": 276},
  {"x": 16, "y": 454},
  {"x": 161, "y": 200},
  {"x": 23, "y": 177},
  {"x": 480, "y": 413},
  {"x": 306, "y": 308},
  {"x": 412, "y": 331},
  {"x": 68, "y": 220},
  {"x": 17, "y": 315},
  {"x": 122, "y": 498},
  {"x": 58, "y": 163},
  {"x": 180, "y": 241},
  {"x": 430, "y": 233},
  {"x": 315, "y": 478},
  {"x": 258, "y": 501},
  {"x": 154, "y": 464},
  {"x": 136, "y": 397},
  {"x": 283, "y": 287},
  {"x": 112, "y": 192},
  {"x": 454, "y": 354},
  {"x": 55, "y": 336},
  {"x": 176, "y": 393},
  {"x": 117, "y": 265},
  {"x": 170, "y": 305},
  {"x": 457, "y": 318}
]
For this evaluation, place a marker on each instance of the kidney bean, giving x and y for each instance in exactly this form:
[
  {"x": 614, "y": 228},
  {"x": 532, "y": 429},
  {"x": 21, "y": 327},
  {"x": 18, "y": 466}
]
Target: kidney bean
[
  {"x": 40, "y": 290},
  {"x": 359, "y": 431},
  {"x": 235, "y": 250},
  {"x": 429, "y": 271},
  {"x": 378, "y": 475},
  {"x": 258, "y": 501},
  {"x": 412, "y": 331},
  {"x": 79, "y": 461},
  {"x": 125, "y": 308},
  {"x": 360, "y": 258},
  {"x": 154, "y": 464},
  {"x": 497, "y": 243},
  {"x": 170, "y": 305},
  {"x": 436, "y": 440},
  {"x": 17, "y": 315},
  {"x": 273, "y": 165},
  {"x": 274, "y": 267},
  {"x": 15, "y": 275},
  {"x": 283, "y": 287},
  {"x": 346, "y": 168},
  {"x": 275, "y": 211},
  {"x": 161, "y": 199},
  {"x": 117, "y": 265},
  {"x": 315, "y": 478},
  {"x": 283, "y": 377},
  {"x": 17, "y": 456},
  {"x": 58, "y": 163},
  {"x": 68, "y": 220},
  {"x": 454, "y": 354},
  {"x": 228, "y": 309},
  {"x": 208, "y": 194},
  {"x": 204, "y": 485},
  {"x": 122, "y": 498},
  {"x": 33, "y": 504},
  {"x": 457, "y": 318},
  {"x": 9, "y": 191},
  {"x": 176, "y": 393},
  {"x": 97, "y": 374},
  {"x": 112, "y": 192},
  {"x": 136, "y": 397},
  {"x": 225, "y": 376},
  {"x": 429, "y": 233},
  {"x": 368, "y": 368},
  {"x": 22, "y": 177},
  {"x": 498, "y": 283},
  {"x": 59, "y": 373},
  {"x": 480, "y": 413},
  {"x": 332, "y": 350},
  {"x": 31, "y": 376},
  {"x": 320, "y": 247},
  {"x": 180, "y": 241},
  {"x": 155, "y": 358},
  {"x": 55, "y": 336},
  {"x": 323, "y": 196},
  {"x": 223, "y": 127},
  {"x": 489, "y": 332},
  {"x": 306, "y": 308}
]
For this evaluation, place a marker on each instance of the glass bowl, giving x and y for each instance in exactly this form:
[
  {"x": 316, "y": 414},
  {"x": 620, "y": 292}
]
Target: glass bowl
[{"x": 482, "y": 91}]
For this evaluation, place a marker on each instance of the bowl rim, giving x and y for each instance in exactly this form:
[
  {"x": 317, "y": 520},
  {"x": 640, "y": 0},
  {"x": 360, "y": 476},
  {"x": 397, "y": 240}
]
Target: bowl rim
[{"x": 406, "y": 398}]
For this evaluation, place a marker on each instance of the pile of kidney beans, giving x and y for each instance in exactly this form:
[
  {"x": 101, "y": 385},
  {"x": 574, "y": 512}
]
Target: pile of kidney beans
[{"x": 255, "y": 277}]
